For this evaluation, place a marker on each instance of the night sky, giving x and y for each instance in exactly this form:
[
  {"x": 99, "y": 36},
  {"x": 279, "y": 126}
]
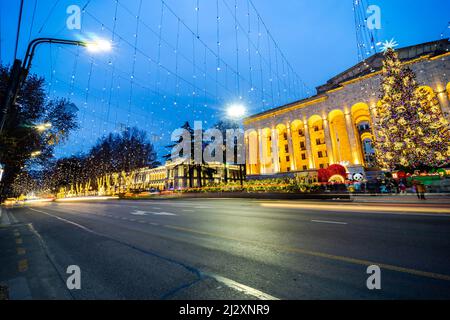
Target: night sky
[{"x": 171, "y": 63}]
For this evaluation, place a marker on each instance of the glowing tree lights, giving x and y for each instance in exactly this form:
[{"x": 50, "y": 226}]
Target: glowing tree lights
[{"x": 412, "y": 131}]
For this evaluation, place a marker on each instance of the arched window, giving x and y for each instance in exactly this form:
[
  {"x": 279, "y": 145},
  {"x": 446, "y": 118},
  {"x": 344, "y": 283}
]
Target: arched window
[
  {"x": 362, "y": 121},
  {"x": 266, "y": 151},
  {"x": 283, "y": 148},
  {"x": 318, "y": 144},
  {"x": 252, "y": 152},
  {"x": 299, "y": 145},
  {"x": 339, "y": 136}
]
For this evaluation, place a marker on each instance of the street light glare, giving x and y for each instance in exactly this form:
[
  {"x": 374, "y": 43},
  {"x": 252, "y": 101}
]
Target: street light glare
[
  {"x": 44, "y": 126},
  {"x": 99, "y": 45},
  {"x": 236, "y": 111}
]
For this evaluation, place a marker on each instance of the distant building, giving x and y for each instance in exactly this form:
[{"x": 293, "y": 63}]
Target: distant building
[
  {"x": 182, "y": 175},
  {"x": 337, "y": 124}
]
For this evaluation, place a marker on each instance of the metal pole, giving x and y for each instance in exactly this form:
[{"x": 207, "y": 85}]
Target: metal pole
[
  {"x": 12, "y": 91},
  {"x": 19, "y": 23},
  {"x": 20, "y": 70}
]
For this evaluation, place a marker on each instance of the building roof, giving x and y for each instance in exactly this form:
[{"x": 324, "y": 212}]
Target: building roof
[{"x": 366, "y": 67}]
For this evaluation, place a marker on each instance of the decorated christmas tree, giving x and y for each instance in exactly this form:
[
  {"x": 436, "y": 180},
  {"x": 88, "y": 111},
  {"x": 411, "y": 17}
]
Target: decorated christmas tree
[{"x": 412, "y": 131}]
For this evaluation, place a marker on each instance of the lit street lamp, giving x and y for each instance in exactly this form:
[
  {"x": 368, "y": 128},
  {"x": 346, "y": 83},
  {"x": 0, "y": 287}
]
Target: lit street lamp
[
  {"x": 19, "y": 71},
  {"x": 98, "y": 45},
  {"x": 36, "y": 154},
  {"x": 236, "y": 111},
  {"x": 43, "y": 127}
]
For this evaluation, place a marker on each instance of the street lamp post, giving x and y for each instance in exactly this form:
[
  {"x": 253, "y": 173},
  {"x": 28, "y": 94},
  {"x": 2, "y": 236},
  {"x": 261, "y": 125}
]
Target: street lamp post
[
  {"x": 20, "y": 70},
  {"x": 237, "y": 112}
]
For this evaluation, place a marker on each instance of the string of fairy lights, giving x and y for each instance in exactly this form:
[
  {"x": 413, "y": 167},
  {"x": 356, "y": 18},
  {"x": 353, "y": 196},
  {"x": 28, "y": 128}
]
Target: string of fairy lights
[
  {"x": 167, "y": 66},
  {"x": 171, "y": 65},
  {"x": 445, "y": 34},
  {"x": 366, "y": 39}
]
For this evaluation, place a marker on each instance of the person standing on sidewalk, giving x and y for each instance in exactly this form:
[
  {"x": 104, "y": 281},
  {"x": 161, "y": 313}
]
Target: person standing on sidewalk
[
  {"x": 402, "y": 188},
  {"x": 421, "y": 191},
  {"x": 415, "y": 188}
]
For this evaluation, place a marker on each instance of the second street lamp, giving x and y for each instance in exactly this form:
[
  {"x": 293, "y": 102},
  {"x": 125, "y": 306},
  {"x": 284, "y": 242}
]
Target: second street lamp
[
  {"x": 236, "y": 111},
  {"x": 43, "y": 127},
  {"x": 20, "y": 70}
]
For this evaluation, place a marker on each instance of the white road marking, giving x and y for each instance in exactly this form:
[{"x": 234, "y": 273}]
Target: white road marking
[
  {"x": 4, "y": 219},
  {"x": 163, "y": 214},
  {"x": 330, "y": 222},
  {"x": 139, "y": 213},
  {"x": 242, "y": 287},
  {"x": 228, "y": 282},
  {"x": 187, "y": 210},
  {"x": 65, "y": 220},
  {"x": 145, "y": 213}
]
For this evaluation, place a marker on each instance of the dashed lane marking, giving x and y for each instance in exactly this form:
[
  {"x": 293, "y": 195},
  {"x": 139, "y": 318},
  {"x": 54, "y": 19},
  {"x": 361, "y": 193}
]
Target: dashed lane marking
[
  {"x": 139, "y": 213},
  {"x": 163, "y": 214},
  {"x": 145, "y": 213}
]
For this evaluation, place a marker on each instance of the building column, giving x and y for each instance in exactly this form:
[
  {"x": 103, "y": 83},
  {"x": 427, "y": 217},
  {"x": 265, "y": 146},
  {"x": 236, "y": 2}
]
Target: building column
[
  {"x": 356, "y": 158},
  {"x": 444, "y": 103},
  {"x": 248, "y": 160},
  {"x": 328, "y": 142},
  {"x": 309, "y": 154},
  {"x": 275, "y": 153},
  {"x": 291, "y": 147},
  {"x": 258, "y": 156},
  {"x": 262, "y": 159}
]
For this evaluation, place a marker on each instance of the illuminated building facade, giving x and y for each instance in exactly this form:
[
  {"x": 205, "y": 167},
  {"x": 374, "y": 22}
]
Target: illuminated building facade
[
  {"x": 182, "y": 175},
  {"x": 337, "y": 124}
]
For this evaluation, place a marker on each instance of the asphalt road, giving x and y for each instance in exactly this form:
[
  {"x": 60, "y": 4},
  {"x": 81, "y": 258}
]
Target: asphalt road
[{"x": 226, "y": 249}]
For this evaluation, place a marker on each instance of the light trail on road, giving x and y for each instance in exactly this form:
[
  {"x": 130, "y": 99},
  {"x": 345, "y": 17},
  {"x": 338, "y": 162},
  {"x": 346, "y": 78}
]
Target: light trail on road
[{"x": 357, "y": 208}]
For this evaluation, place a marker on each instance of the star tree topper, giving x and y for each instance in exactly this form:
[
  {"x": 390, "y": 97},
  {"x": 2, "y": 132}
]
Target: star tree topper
[{"x": 385, "y": 46}]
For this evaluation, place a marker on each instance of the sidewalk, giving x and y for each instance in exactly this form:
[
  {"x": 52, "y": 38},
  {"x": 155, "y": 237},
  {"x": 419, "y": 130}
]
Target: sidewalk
[
  {"x": 432, "y": 198},
  {"x": 26, "y": 271}
]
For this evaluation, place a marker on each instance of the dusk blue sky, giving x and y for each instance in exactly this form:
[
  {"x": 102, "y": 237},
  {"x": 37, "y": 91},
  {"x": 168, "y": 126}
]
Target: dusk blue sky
[{"x": 162, "y": 88}]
